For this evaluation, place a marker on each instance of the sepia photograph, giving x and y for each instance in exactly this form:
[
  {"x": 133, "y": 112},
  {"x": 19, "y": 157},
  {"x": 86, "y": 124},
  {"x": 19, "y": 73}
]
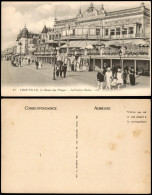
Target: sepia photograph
[
  {"x": 89, "y": 146},
  {"x": 63, "y": 48}
]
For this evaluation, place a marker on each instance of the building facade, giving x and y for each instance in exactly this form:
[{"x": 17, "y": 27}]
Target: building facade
[
  {"x": 26, "y": 41},
  {"x": 127, "y": 27},
  {"x": 96, "y": 24}
]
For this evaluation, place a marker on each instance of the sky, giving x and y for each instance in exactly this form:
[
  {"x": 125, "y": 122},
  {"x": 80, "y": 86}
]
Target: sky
[{"x": 37, "y": 14}]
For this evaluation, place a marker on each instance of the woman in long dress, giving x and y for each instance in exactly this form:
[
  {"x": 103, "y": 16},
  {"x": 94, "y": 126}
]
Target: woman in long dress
[
  {"x": 126, "y": 73},
  {"x": 119, "y": 78},
  {"x": 75, "y": 65},
  {"x": 132, "y": 76},
  {"x": 108, "y": 78},
  {"x": 69, "y": 65}
]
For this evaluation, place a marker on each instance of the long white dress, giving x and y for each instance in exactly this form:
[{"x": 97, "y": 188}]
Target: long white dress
[
  {"x": 119, "y": 78},
  {"x": 108, "y": 79}
]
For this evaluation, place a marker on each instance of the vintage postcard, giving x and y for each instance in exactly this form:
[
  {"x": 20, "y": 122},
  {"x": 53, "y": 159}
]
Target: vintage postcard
[
  {"x": 63, "y": 48},
  {"x": 76, "y": 146}
]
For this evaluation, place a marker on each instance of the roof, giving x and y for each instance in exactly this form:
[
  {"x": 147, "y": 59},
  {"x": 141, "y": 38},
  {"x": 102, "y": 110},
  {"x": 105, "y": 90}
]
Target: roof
[
  {"x": 45, "y": 30},
  {"x": 79, "y": 44}
]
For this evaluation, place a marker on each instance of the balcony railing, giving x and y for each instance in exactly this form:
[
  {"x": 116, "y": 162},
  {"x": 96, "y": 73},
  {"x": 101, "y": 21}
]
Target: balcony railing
[
  {"x": 83, "y": 37},
  {"x": 129, "y": 52},
  {"x": 95, "y": 37}
]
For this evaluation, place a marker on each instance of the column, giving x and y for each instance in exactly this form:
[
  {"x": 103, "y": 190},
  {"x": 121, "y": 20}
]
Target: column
[
  {"x": 110, "y": 63},
  {"x": 135, "y": 30},
  {"x": 135, "y": 66},
  {"x": 122, "y": 63},
  {"x": 94, "y": 64},
  {"x": 101, "y": 63}
]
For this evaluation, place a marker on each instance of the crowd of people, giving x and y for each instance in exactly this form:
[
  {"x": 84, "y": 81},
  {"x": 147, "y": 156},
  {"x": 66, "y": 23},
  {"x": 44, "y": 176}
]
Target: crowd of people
[
  {"x": 19, "y": 61},
  {"x": 108, "y": 78},
  {"x": 64, "y": 64},
  {"x": 61, "y": 69},
  {"x": 115, "y": 78},
  {"x": 74, "y": 63}
]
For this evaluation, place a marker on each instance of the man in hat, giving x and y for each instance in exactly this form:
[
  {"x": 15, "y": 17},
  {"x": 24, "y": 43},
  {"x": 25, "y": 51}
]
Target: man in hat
[
  {"x": 108, "y": 78},
  {"x": 64, "y": 70},
  {"x": 100, "y": 79},
  {"x": 104, "y": 68}
]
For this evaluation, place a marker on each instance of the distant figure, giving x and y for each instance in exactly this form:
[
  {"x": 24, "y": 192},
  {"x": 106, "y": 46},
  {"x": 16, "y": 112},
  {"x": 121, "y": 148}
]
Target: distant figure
[
  {"x": 114, "y": 71},
  {"x": 57, "y": 70},
  {"x": 61, "y": 69},
  {"x": 29, "y": 61},
  {"x": 132, "y": 76},
  {"x": 101, "y": 51},
  {"x": 72, "y": 63},
  {"x": 104, "y": 68},
  {"x": 64, "y": 70},
  {"x": 19, "y": 63},
  {"x": 68, "y": 65},
  {"x": 108, "y": 78},
  {"x": 119, "y": 78},
  {"x": 72, "y": 66},
  {"x": 100, "y": 79},
  {"x": 126, "y": 75},
  {"x": 37, "y": 64},
  {"x": 12, "y": 61},
  {"x": 75, "y": 65}
]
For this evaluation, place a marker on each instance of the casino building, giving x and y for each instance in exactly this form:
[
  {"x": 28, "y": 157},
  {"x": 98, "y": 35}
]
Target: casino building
[{"x": 99, "y": 35}]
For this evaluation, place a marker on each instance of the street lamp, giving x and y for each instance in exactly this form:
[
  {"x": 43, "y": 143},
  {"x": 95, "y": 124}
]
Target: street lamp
[
  {"x": 120, "y": 54},
  {"x": 54, "y": 53},
  {"x": 86, "y": 39},
  {"x": 20, "y": 44}
]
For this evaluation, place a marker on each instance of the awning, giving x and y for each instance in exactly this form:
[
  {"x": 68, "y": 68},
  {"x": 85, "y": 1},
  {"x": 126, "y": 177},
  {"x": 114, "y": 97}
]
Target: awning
[
  {"x": 52, "y": 41},
  {"x": 78, "y": 44},
  {"x": 87, "y": 47}
]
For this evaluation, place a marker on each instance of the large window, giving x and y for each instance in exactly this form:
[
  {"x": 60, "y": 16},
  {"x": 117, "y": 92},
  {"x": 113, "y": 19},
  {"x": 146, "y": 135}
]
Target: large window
[
  {"x": 131, "y": 30},
  {"x": 112, "y": 32},
  {"x": 64, "y": 33},
  {"x": 85, "y": 31},
  {"x": 97, "y": 31},
  {"x": 92, "y": 31},
  {"x": 79, "y": 31},
  {"x": 106, "y": 32},
  {"x": 124, "y": 31},
  {"x": 117, "y": 31},
  {"x": 73, "y": 31}
]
